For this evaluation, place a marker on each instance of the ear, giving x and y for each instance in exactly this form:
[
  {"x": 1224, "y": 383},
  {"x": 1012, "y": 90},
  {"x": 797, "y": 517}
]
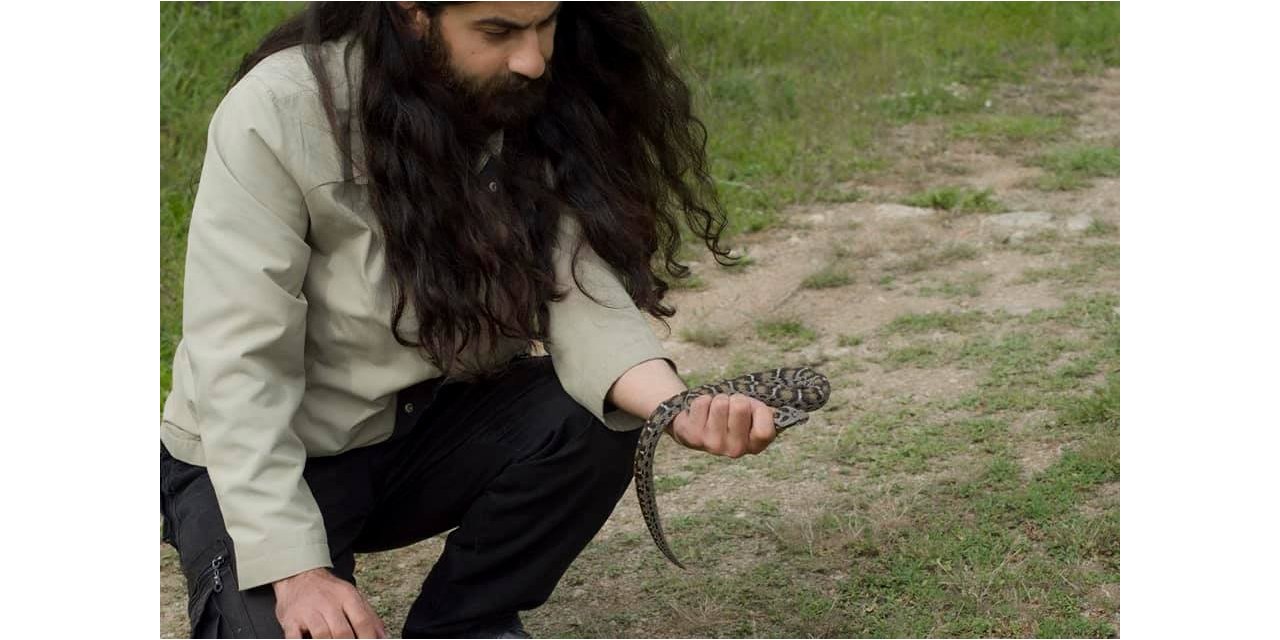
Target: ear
[{"x": 416, "y": 20}]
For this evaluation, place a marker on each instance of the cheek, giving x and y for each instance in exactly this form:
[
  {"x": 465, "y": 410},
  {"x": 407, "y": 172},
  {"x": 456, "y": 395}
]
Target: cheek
[{"x": 547, "y": 43}]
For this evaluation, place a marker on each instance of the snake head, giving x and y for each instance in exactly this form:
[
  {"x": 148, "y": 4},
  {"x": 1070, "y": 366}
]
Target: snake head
[{"x": 786, "y": 417}]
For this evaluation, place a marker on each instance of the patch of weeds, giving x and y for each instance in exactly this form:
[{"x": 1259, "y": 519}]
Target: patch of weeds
[
  {"x": 664, "y": 484},
  {"x": 786, "y": 334},
  {"x": 956, "y": 252},
  {"x": 692, "y": 282},
  {"x": 921, "y": 356},
  {"x": 930, "y": 101},
  {"x": 828, "y": 278},
  {"x": 967, "y": 285},
  {"x": 1093, "y": 258},
  {"x": 1096, "y": 312},
  {"x": 886, "y": 282},
  {"x": 1101, "y": 407},
  {"x": 849, "y": 341},
  {"x": 1101, "y": 228},
  {"x": 1009, "y": 128},
  {"x": 706, "y": 336},
  {"x": 944, "y": 256},
  {"x": 1102, "y": 256},
  {"x": 983, "y": 430},
  {"x": 1072, "y": 167},
  {"x": 838, "y": 195},
  {"x": 988, "y": 400},
  {"x": 934, "y": 321},
  {"x": 956, "y": 200},
  {"x": 697, "y": 378},
  {"x": 889, "y": 441}
]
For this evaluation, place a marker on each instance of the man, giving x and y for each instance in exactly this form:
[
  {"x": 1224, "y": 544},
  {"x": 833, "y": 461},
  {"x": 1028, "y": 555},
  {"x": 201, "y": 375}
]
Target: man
[{"x": 399, "y": 201}]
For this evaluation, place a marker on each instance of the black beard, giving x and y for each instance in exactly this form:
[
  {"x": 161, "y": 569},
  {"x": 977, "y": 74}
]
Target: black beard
[{"x": 505, "y": 101}]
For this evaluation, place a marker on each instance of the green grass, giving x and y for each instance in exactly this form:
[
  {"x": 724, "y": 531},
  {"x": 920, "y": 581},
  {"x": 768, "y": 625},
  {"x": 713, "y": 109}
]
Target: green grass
[
  {"x": 1005, "y": 129},
  {"x": 966, "y": 285},
  {"x": 692, "y": 282},
  {"x": 706, "y": 336},
  {"x": 941, "y": 321},
  {"x": 849, "y": 341},
  {"x": 828, "y": 277},
  {"x": 943, "y": 256},
  {"x": 1072, "y": 167},
  {"x": 956, "y": 200},
  {"x": 786, "y": 334}
]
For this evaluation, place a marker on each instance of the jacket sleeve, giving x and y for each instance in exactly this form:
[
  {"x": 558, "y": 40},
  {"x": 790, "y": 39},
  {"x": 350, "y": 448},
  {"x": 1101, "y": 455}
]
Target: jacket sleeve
[
  {"x": 244, "y": 322},
  {"x": 592, "y": 345}
]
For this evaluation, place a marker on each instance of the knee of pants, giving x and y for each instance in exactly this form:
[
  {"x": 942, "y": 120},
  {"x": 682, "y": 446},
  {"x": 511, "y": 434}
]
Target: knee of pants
[{"x": 569, "y": 430}]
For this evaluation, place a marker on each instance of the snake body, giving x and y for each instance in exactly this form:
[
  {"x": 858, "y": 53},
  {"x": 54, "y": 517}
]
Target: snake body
[{"x": 792, "y": 392}]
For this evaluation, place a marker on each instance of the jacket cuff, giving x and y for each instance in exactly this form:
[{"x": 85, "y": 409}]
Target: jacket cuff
[
  {"x": 258, "y": 566},
  {"x": 602, "y": 372}
]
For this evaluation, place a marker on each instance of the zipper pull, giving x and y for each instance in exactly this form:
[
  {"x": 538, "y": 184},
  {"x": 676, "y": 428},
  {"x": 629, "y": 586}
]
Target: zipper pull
[{"x": 217, "y": 579}]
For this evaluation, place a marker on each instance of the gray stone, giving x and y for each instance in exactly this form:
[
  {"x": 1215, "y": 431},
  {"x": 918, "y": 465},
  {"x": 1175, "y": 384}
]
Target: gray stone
[
  {"x": 901, "y": 211},
  {"x": 1079, "y": 222},
  {"x": 1021, "y": 220}
]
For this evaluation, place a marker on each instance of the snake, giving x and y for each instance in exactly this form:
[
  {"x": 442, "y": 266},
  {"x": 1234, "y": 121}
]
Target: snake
[{"x": 792, "y": 392}]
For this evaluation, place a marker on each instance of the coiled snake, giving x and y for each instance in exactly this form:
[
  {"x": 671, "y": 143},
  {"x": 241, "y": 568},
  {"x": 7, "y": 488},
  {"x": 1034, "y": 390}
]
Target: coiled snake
[{"x": 792, "y": 392}]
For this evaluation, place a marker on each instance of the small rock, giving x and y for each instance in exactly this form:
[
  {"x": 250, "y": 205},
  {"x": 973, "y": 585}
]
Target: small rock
[
  {"x": 794, "y": 239},
  {"x": 1021, "y": 220},
  {"x": 816, "y": 218},
  {"x": 1079, "y": 222},
  {"x": 1017, "y": 237},
  {"x": 901, "y": 211}
]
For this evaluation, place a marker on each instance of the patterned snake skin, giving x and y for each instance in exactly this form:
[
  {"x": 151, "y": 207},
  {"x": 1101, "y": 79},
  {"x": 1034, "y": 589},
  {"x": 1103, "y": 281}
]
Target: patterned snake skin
[{"x": 791, "y": 392}]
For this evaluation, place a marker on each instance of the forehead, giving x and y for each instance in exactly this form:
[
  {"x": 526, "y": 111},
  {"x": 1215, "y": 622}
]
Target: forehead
[{"x": 521, "y": 12}]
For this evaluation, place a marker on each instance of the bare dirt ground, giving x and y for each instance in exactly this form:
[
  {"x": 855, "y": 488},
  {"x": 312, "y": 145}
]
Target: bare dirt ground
[{"x": 874, "y": 240}]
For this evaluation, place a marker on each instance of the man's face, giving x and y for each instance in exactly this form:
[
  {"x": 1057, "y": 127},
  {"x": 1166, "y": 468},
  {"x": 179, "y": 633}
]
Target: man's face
[{"x": 495, "y": 55}]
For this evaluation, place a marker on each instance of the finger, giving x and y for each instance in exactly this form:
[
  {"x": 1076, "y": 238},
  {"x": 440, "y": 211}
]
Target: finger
[
  {"x": 291, "y": 629},
  {"x": 739, "y": 427},
  {"x": 684, "y": 431},
  {"x": 699, "y": 410},
  {"x": 688, "y": 424},
  {"x": 763, "y": 431},
  {"x": 717, "y": 428},
  {"x": 338, "y": 625},
  {"x": 363, "y": 620},
  {"x": 315, "y": 625}
]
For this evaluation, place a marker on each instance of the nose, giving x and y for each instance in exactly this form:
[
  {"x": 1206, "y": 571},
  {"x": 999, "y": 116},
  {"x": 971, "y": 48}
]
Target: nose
[{"x": 528, "y": 60}]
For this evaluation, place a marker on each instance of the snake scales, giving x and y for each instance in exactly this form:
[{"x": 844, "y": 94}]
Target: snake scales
[{"x": 792, "y": 392}]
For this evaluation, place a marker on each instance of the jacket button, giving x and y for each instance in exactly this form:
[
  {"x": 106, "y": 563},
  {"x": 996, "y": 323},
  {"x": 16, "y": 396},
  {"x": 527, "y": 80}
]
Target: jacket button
[
  {"x": 408, "y": 407},
  {"x": 493, "y": 187}
]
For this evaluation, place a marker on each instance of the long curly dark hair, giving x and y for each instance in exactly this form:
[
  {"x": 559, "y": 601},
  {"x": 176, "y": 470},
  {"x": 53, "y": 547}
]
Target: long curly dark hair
[{"x": 617, "y": 131}]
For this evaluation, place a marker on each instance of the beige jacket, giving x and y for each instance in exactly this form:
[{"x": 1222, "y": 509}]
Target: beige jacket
[{"x": 287, "y": 349}]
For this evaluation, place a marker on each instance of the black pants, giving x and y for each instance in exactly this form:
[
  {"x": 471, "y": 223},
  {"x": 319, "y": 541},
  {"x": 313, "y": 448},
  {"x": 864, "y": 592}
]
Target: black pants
[{"x": 526, "y": 475}]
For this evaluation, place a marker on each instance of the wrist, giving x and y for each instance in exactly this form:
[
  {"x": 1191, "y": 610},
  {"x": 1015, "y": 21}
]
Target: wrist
[{"x": 309, "y": 574}]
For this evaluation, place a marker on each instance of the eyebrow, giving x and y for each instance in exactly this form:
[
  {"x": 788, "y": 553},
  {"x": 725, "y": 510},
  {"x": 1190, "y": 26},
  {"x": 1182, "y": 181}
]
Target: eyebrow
[{"x": 508, "y": 24}]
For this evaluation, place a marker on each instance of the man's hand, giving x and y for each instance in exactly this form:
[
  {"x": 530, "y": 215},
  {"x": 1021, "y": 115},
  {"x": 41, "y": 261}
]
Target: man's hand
[
  {"x": 323, "y": 605},
  {"x": 725, "y": 425}
]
